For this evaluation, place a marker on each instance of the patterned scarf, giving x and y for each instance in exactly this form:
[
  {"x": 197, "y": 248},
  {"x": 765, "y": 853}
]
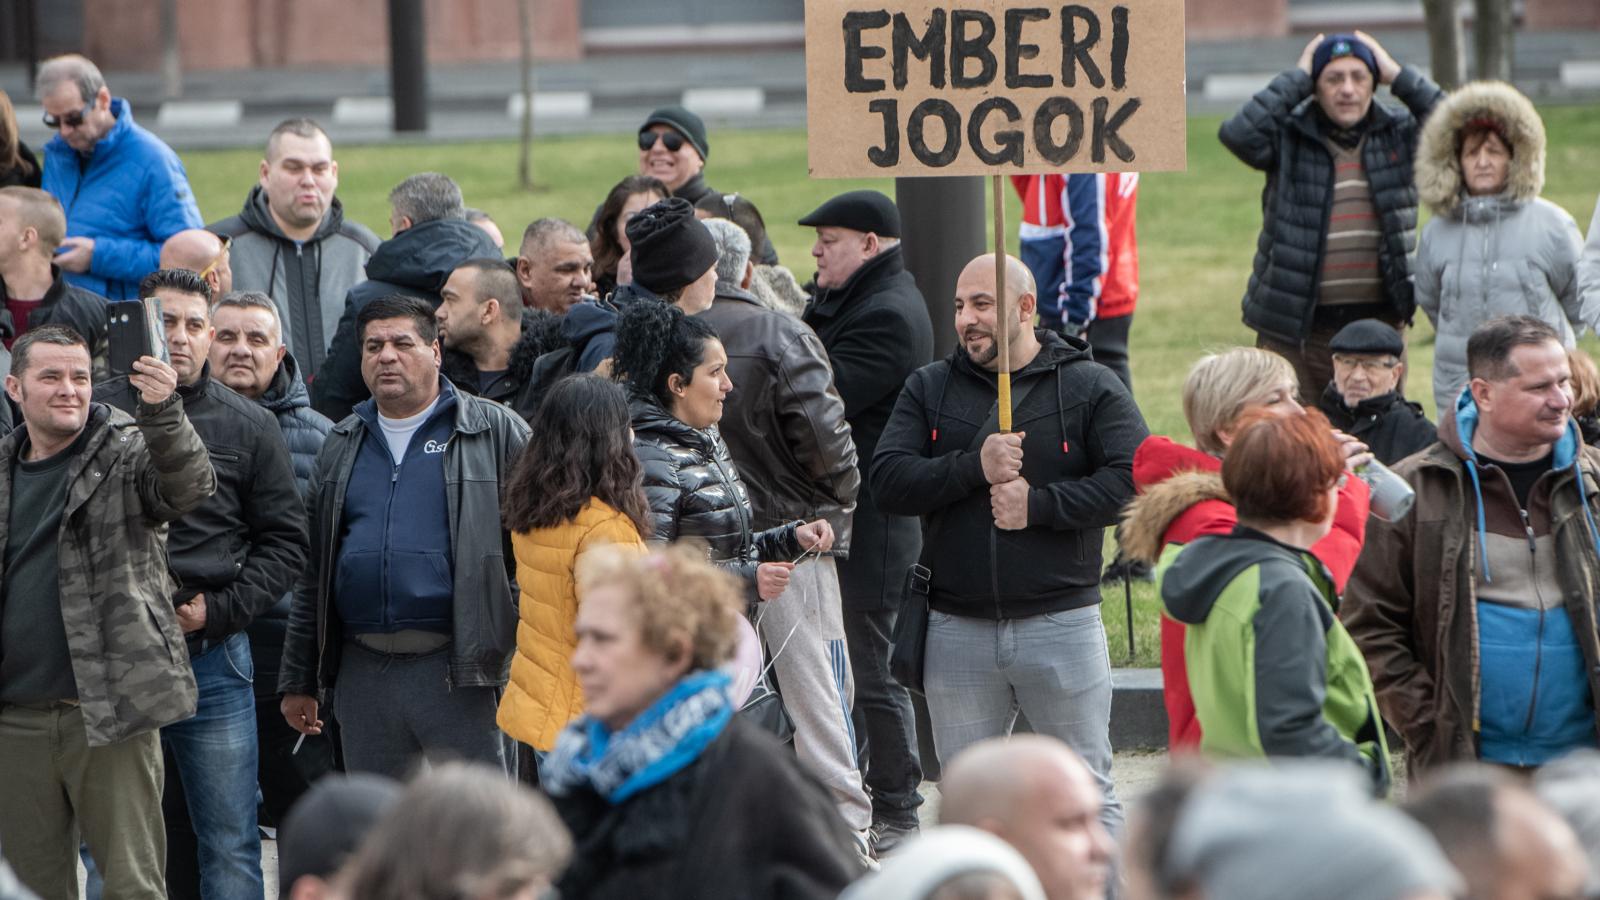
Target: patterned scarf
[{"x": 658, "y": 744}]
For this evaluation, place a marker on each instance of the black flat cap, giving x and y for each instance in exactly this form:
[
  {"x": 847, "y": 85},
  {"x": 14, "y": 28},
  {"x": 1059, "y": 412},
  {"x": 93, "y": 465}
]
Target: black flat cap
[
  {"x": 1368, "y": 336},
  {"x": 683, "y": 122},
  {"x": 859, "y": 211}
]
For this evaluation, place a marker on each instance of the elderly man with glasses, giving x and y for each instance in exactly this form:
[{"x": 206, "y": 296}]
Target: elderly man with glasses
[
  {"x": 204, "y": 253},
  {"x": 1364, "y": 398},
  {"x": 124, "y": 191}
]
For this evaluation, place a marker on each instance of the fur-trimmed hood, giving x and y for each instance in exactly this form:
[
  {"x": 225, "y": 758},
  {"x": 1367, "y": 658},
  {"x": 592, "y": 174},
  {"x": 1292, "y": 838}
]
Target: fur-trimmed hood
[
  {"x": 1438, "y": 168},
  {"x": 1145, "y": 520}
]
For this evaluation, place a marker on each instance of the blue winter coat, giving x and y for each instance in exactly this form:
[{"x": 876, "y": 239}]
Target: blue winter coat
[{"x": 131, "y": 197}]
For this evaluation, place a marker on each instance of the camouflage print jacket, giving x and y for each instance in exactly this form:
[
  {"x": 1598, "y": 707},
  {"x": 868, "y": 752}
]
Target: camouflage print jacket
[{"x": 127, "y": 481}]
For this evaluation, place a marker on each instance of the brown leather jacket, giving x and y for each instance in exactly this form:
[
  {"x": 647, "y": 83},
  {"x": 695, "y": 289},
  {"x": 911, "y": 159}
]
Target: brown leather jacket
[
  {"x": 784, "y": 422},
  {"x": 1411, "y": 604}
]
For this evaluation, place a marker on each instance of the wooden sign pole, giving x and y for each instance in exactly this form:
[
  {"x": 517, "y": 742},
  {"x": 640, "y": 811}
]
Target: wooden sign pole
[{"x": 1002, "y": 322}]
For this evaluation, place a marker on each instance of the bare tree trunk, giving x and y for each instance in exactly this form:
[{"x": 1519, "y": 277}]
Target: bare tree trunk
[
  {"x": 525, "y": 158},
  {"x": 1493, "y": 36},
  {"x": 1445, "y": 42},
  {"x": 171, "y": 62}
]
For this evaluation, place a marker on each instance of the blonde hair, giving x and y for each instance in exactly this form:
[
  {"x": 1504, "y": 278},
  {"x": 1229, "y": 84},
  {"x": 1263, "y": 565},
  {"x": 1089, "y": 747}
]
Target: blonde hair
[
  {"x": 1223, "y": 385},
  {"x": 40, "y": 211},
  {"x": 1585, "y": 383},
  {"x": 675, "y": 596}
]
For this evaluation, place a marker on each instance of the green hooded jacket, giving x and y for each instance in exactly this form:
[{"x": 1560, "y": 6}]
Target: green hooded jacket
[{"x": 1272, "y": 670}]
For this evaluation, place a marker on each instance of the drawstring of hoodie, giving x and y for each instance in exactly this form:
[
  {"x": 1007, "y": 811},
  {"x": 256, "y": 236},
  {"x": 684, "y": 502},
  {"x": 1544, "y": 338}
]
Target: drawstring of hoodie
[{"x": 938, "y": 406}]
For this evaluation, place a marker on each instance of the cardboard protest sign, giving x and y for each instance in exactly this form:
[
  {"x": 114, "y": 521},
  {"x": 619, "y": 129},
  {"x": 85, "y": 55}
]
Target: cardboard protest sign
[{"x": 977, "y": 87}]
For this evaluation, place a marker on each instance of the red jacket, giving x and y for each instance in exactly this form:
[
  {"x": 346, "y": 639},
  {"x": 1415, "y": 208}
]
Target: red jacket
[
  {"x": 1201, "y": 509},
  {"x": 1079, "y": 236}
]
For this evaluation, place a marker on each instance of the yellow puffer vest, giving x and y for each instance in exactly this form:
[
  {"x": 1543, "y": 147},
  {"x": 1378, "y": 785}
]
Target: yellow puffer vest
[{"x": 543, "y": 695}]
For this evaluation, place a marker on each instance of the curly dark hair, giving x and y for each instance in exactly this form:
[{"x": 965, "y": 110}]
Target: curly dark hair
[
  {"x": 603, "y": 242},
  {"x": 655, "y": 341},
  {"x": 581, "y": 447}
]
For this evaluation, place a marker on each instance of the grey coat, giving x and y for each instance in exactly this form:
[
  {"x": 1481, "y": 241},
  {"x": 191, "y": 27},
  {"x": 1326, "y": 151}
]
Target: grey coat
[
  {"x": 488, "y": 438},
  {"x": 1513, "y": 253}
]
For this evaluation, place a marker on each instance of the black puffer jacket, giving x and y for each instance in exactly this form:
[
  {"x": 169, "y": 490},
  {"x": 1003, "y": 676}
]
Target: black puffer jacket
[
  {"x": 1391, "y": 425},
  {"x": 1280, "y": 132},
  {"x": 784, "y": 422},
  {"x": 304, "y": 429},
  {"x": 416, "y": 262},
  {"x": 876, "y": 330},
  {"x": 695, "y": 492}
]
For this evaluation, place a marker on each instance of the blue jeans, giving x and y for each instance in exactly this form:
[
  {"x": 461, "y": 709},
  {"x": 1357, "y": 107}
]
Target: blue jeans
[
  {"x": 216, "y": 754},
  {"x": 1054, "y": 668}
]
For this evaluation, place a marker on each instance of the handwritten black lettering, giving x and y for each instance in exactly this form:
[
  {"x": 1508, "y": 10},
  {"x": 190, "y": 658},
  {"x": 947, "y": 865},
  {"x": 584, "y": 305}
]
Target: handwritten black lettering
[
  {"x": 1017, "y": 51},
  {"x": 1075, "y": 52},
  {"x": 1043, "y": 124},
  {"x": 1010, "y": 139},
  {"x": 855, "y": 53},
  {"x": 947, "y": 116},
  {"x": 889, "y": 154},
  {"x": 964, "y": 48},
  {"x": 1105, "y": 130},
  {"x": 929, "y": 48}
]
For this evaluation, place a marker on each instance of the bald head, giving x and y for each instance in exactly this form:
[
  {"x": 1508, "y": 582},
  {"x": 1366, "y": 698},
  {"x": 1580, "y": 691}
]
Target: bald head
[
  {"x": 200, "y": 251},
  {"x": 980, "y": 274},
  {"x": 977, "y": 311},
  {"x": 1036, "y": 794}
]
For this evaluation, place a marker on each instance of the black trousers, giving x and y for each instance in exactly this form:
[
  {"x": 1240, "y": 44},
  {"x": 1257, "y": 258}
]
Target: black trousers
[
  {"x": 1108, "y": 338},
  {"x": 883, "y": 713}
]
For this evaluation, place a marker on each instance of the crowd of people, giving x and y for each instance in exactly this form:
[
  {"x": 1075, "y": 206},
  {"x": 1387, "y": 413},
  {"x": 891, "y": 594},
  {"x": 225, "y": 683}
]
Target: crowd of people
[{"x": 635, "y": 557}]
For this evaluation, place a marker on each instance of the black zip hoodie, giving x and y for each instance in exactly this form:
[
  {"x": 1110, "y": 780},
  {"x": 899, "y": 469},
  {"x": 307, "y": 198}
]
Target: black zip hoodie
[{"x": 1081, "y": 428}]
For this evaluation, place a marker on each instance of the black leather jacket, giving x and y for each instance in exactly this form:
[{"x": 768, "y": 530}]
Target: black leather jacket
[
  {"x": 695, "y": 492},
  {"x": 488, "y": 438},
  {"x": 784, "y": 422}
]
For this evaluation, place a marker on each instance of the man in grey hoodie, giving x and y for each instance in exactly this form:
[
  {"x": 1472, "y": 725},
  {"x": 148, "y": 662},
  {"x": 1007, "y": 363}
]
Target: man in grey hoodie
[{"x": 292, "y": 242}]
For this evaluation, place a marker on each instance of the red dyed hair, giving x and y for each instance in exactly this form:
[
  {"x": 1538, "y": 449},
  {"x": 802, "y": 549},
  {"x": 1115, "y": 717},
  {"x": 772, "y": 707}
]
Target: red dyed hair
[{"x": 1279, "y": 468}]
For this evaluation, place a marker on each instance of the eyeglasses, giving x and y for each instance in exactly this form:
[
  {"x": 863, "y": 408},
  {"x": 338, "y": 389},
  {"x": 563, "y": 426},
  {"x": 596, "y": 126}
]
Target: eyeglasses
[
  {"x": 71, "y": 119},
  {"x": 227, "y": 242},
  {"x": 1366, "y": 363},
  {"x": 672, "y": 140}
]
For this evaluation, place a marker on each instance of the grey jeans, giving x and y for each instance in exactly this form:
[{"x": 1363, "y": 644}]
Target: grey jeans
[
  {"x": 393, "y": 709},
  {"x": 1053, "y": 668}
]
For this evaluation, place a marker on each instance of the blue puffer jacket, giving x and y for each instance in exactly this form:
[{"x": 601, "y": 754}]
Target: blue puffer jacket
[{"x": 131, "y": 197}]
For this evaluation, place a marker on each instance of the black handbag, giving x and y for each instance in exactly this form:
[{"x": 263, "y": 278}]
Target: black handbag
[{"x": 909, "y": 643}]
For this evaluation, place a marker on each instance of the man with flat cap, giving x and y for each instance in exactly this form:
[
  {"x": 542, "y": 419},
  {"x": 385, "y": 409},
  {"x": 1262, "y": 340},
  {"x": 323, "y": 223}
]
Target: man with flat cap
[
  {"x": 1364, "y": 398},
  {"x": 874, "y": 324}
]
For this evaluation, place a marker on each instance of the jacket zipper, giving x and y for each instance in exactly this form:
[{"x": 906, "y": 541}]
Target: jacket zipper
[{"x": 1538, "y": 649}]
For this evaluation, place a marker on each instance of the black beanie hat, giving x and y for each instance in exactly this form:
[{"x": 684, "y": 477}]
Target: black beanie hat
[
  {"x": 671, "y": 248},
  {"x": 1368, "y": 336},
  {"x": 683, "y": 122},
  {"x": 867, "y": 211}
]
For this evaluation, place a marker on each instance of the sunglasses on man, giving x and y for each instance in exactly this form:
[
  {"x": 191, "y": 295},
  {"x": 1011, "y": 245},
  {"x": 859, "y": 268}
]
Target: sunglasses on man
[
  {"x": 71, "y": 119},
  {"x": 672, "y": 140}
]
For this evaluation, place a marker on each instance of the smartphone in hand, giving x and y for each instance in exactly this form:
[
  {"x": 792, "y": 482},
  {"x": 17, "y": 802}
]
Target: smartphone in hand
[{"x": 134, "y": 329}]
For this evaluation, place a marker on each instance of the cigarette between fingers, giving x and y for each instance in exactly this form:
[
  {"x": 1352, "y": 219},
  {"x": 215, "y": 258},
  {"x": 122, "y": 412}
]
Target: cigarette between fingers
[{"x": 297, "y": 744}]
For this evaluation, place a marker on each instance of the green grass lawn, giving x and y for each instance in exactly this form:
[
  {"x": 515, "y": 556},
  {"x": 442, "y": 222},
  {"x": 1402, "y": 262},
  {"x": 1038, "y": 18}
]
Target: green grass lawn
[{"x": 1197, "y": 232}]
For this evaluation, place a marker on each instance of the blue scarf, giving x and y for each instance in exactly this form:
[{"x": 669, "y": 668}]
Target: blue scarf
[{"x": 661, "y": 742}]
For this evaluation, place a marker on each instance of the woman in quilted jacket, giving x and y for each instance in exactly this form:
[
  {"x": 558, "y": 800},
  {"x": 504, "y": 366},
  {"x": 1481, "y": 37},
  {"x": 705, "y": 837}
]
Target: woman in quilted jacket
[
  {"x": 577, "y": 486},
  {"x": 676, "y": 371}
]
